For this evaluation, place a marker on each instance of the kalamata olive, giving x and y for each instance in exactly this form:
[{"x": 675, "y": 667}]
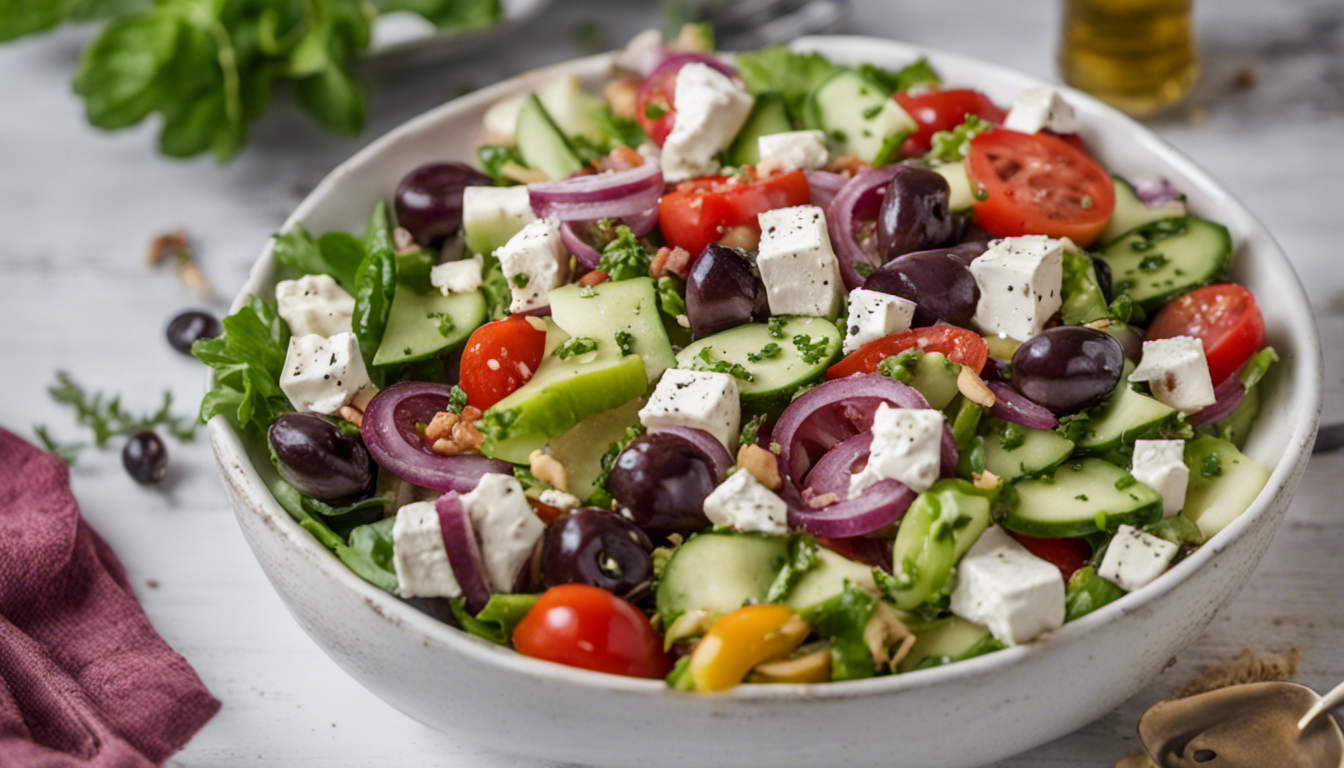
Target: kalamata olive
[
  {"x": 599, "y": 548},
  {"x": 1069, "y": 368},
  {"x": 723, "y": 291},
  {"x": 145, "y": 457},
  {"x": 941, "y": 284},
  {"x": 428, "y": 200},
  {"x": 662, "y": 481},
  {"x": 1130, "y": 338},
  {"x": 915, "y": 213},
  {"x": 1104, "y": 281},
  {"x": 317, "y": 458},
  {"x": 187, "y": 327},
  {"x": 968, "y": 251}
]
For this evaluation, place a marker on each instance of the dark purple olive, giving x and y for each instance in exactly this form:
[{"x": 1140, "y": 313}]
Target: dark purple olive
[
  {"x": 915, "y": 213},
  {"x": 1130, "y": 338},
  {"x": 661, "y": 480},
  {"x": 429, "y": 200},
  {"x": 1069, "y": 368},
  {"x": 968, "y": 251},
  {"x": 972, "y": 233},
  {"x": 187, "y": 327},
  {"x": 599, "y": 548},
  {"x": 317, "y": 458},
  {"x": 1104, "y": 281},
  {"x": 145, "y": 457},
  {"x": 941, "y": 284},
  {"x": 723, "y": 291}
]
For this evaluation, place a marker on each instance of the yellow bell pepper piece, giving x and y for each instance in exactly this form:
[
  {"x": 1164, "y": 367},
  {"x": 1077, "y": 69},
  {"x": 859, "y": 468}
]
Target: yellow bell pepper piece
[{"x": 740, "y": 640}]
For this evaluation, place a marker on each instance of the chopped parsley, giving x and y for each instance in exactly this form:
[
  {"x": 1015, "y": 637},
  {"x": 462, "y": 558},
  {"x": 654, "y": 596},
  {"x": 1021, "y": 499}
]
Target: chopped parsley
[
  {"x": 578, "y": 345},
  {"x": 625, "y": 341},
  {"x": 768, "y": 352},
  {"x": 705, "y": 362},
  {"x": 952, "y": 146},
  {"x": 863, "y": 268},
  {"x": 811, "y": 351},
  {"x": 446, "y": 323},
  {"x": 520, "y": 280},
  {"x": 1012, "y": 436},
  {"x": 900, "y": 367},
  {"x": 1212, "y": 466},
  {"x": 750, "y": 430},
  {"x": 457, "y": 399},
  {"x": 624, "y": 258},
  {"x": 654, "y": 111},
  {"x": 587, "y": 291},
  {"x": 776, "y": 327},
  {"x": 1125, "y": 482}
]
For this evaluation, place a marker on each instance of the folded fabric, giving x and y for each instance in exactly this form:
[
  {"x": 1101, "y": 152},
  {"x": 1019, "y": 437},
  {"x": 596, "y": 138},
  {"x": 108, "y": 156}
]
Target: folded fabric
[{"x": 84, "y": 679}]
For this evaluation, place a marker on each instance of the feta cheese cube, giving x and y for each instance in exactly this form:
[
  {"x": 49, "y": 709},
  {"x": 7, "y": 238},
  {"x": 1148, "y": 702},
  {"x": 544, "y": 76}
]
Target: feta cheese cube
[
  {"x": 506, "y": 527},
  {"x": 907, "y": 446},
  {"x": 699, "y": 399},
  {"x": 746, "y": 505},
  {"x": 799, "y": 269},
  {"x": 322, "y": 374},
  {"x": 1177, "y": 372},
  {"x": 1160, "y": 465},
  {"x": 418, "y": 554},
  {"x": 1134, "y": 558},
  {"x": 314, "y": 304},
  {"x": 1014, "y": 593},
  {"x": 1019, "y": 279},
  {"x": 493, "y": 215},
  {"x": 873, "y": 314},
  {"x": 710, "y": 111},
  {"x": 1041, "y": 108},
  {"x": 461, "y": 276},
  {"x": 534, "y": 261},
  {"x": 792, "y": 151}
]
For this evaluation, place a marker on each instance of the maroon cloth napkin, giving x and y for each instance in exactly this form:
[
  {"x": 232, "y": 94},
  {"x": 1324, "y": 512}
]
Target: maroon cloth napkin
[{"x": 84, "y": 679}]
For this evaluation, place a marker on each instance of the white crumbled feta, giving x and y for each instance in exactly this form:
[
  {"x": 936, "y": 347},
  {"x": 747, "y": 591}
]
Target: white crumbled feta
[
  {"x": 1177, "y": 373},
  {"x": 744, "y": 504},
  {"x": 534, "y": 261},
  {"x": 491, "y": 216},
  {"x": 642, "y": 54},
  {"x": 314, "y": 304},
  {"x": 1014, "y": 593},
  {"x": 874, "y": 314},
  {"x": 698, "y": 399},
  {"x": 711, "y": 109},
  {"x": 1019, "y": 279},
  {"x": 797, "y": 265},
  {"x": 1160, "y": 465},
  {"x": 506, "y": 527},
  {"x": 1134, "y": 558},
  {"x": 418, "y": 554},
  {"x": 1041, "y": 108},
  {"x": 792, "y": 151},
  {"x": 462, "y": 276},
  {"x": 554, "y": 497},
  {"x": 322, "y": 374},
  {"x": 907, "y": 446}
]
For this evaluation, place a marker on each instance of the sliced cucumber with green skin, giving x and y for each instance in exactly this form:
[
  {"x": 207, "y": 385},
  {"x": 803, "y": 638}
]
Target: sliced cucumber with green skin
[
  {"x": 941, "y": 524},
  {"x": 421, "y": 325},
  {"x": 943, "y": 641},
  {"x": 718, "y": 573},
  {"x": 1223, "y": 483},
  {"x": 1083, "y": 298},
  {"x": 491, "y": 216},
  {"x": 541, "y": 142},
  {"x": 608, "y": 310},
  {"x": 936, "y": 379},
  {"x": 768, "y": 116},
  {"x": 859, "y": 116},
  {"x": 961, "y": 196},
  {"x": 1124, "y": 418},
  {"x": 580, "y": 449},
  {"x": 1131, "y": 212},
  {"x": 1161, "y": 260},
  {"x": 1013, "y": 451},
  {"x": 827, "y": 580},
  {"x": 779, "y": 357},
  {"x": 1081, "y": 497}
]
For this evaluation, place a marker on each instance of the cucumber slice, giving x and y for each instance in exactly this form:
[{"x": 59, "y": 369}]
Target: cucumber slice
[
  {"x": 541, "y": 142},
  {"x": 1131, "y": 212},
  {"x": 1124, "y": 418},
  {"x": 827, "y": 580},
  {"x": 718, "y": 573},
  {"x": 779, "y": 356},
  {"x": 941, "y": 524},
  {"x": 1082, "y": 497},
  {"x": 936, "y": 379},
  {"x": 493, "y": 215},
  {"x": 1083, "y": 299},
  {"x": 421, "y": 325},
  {"x": 1013, "y": 451},
  {"x": 961, "y": 195},
  {"x": 607, "y": 310},
  {"x": 859, "y": 116},
  {"x": 1237, "y": 425},
  {"x": 1223, "y": 483},
  {"x": 944, "y": 641},
  {"x": 581, "y": 448},
  {"x": 1161, "y": 260},
  {"x": 768, "y": 115}
]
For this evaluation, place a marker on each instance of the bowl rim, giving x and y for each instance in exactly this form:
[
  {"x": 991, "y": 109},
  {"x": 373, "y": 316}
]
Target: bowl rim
[{"x": 1295, "y": 310}]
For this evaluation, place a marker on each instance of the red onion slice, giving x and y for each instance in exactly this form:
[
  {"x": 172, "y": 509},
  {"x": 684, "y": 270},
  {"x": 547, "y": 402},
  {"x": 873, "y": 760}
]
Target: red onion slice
[
  {"x": 824, "y": 186},
  {"x": 1011, "y": 405},
  {"x": 707, "y": 445},
  {"x": 611, "y": 195},
  {"x": 390, "y": 435},
  {"x": 873, "y": 550},
  {"x": 1227, "y": 396},
  {"x": 880, "y": 505},
  {"x": 832, "y": 471},
  {"x": 464, "y": 553},
  {"x": 857, "y": 200},
  {"x": 586, "y": 254}
]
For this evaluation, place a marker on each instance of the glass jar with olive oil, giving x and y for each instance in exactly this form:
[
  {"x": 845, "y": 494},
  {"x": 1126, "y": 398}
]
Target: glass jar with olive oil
[{"x": 1137, "y": 55}]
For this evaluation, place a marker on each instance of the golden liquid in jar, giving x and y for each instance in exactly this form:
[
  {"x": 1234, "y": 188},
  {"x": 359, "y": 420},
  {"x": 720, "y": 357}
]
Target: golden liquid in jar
[{"x": 1137, "y": 55}]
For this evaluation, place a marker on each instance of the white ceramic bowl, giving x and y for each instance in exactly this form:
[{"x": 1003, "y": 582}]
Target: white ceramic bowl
[{"x": 965, "y": 714}]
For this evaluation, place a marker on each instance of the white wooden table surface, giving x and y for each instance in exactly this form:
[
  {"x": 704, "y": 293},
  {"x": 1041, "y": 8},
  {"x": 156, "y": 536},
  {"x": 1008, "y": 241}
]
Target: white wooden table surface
[{"x": 77, "y": 208}]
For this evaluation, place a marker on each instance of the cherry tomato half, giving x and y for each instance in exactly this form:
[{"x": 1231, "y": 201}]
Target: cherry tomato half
[
  {"x": 654, "y": 111},
  {"x": 937, "y": 111},
  {"x": 499, "y": 358},
  {"x": 699, "y": 211},
  {"x": 958, "y": 344},
  {"x": 1066, "y": 554},
  {"x": 584, "y": 626},
  {"x": 1224, "y": 316},
  {"x": 1038, "y": 184}
]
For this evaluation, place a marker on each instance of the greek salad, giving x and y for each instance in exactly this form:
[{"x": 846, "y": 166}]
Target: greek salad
[{"x": 757, "y": 370}]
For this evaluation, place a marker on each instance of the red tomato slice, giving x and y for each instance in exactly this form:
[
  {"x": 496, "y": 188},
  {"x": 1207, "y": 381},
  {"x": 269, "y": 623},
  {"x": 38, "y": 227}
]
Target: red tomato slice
[
  {"x": 654, "y": 110},
  {"x": 584, "y": 626},
  {"x": 958, "y": 344},
  {"x": 699, "y": 211},
  {"x": 499, "y": 358},
  {"x": 942, "y": 111},
  {"x": 1067, "y": 554},
  {"x": 1038, "y": 184},
  {"x": 1225, "y": 317}
]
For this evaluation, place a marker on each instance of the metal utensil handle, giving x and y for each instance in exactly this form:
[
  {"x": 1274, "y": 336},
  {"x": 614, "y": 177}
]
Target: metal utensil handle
[{"x": 1329, "y": 701}]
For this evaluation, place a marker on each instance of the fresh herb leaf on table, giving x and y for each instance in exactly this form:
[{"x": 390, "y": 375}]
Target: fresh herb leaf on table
[{"x": 106, "y": 416}]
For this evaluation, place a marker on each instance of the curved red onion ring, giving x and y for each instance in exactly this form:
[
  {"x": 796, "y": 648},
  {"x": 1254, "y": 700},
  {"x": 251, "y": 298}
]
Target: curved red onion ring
[
  {"x": 586, "y": 254},
  {"x": 857, "y": 200},
  {"x": 464, "y": 553},
  {"x": 389, "y": 433},
  {"x": 880, "y": 505},
  {"x": 1011, "y": 405},
  {"x": 611, "y": 195},
  {"x": 824, "y": 186},
  {"x": 831, "y": 472},
  {"x": 1227, "y": 396},
  {"x": 873, "y": 550},
  {"x": 707, "y": 445}
]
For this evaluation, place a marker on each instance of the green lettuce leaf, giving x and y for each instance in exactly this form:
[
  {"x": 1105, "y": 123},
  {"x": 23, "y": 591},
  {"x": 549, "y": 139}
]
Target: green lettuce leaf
[
  {"x": 375, "y": 284},
  {"x": 778, "y": 69},
  {"x": 247, "y": 360}
]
